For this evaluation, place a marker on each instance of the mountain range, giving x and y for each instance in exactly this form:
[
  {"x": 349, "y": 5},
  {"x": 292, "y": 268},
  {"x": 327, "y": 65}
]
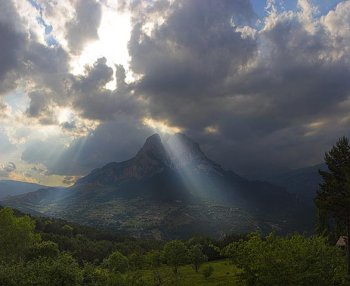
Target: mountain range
[
  {"x": 170, "y": 189},
  {"x": 303, "y": 182},
  {"x": 12, "y": 188}
]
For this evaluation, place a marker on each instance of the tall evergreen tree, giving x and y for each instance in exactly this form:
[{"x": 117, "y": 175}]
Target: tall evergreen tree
[{"x": 333, "y": 197}]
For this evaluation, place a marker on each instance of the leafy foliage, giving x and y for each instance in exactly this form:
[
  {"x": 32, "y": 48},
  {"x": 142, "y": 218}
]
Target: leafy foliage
[
  {"x": 333, "y": 198},
  {"x": 196, "y": 256},
  {"x": 116, "y": 262},
  {"x": 47, "y": 249},
  {"x": 17, "y": 235},
  {"x": 288, "y": 261},
  {"x": 63, "y": 270},
  {"x": 59, "y": 259},
  {"x": 175, "y": 254}
]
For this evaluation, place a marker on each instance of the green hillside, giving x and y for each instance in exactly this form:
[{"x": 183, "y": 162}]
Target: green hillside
[{"x": 49, "y": 252}]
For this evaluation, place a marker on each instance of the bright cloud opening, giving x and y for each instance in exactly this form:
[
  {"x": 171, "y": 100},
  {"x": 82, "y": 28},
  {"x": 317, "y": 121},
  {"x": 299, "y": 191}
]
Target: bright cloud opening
[
  {"x": 114, "y": 34},
  {"x": 161, "y": 126}
]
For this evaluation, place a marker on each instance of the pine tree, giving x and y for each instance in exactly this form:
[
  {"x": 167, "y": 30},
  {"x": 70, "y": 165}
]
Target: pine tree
[{"x": 333, "y": 197}]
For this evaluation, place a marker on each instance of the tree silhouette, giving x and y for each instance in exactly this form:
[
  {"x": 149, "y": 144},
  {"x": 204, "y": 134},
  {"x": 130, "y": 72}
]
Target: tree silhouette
[{"x": 333, "y": 197}]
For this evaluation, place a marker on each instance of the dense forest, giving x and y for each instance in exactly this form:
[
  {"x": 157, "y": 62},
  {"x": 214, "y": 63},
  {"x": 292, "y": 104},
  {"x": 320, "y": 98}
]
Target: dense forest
[{"x": 45, "y": 251}]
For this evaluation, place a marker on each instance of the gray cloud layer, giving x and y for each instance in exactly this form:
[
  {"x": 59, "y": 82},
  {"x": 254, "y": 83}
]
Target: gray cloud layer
[
  {"x": 6, "y": 169},
  {"x": 266, "y": 93},
  {"x": 83, "y": 28},
  {"x": 257, "y": 96}
]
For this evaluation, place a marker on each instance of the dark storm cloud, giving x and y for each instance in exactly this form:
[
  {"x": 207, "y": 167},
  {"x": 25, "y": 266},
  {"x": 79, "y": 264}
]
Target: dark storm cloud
[
  {"x": 47, "y": 70},
  {"x": 96, "y": 101},
  {"x": 39, "y": 107},
  {"x": 83, "y": 28},
  {"x": 257, "y": 97},
  {"x": 188, "y": 58},
  {"x": 24, "y": 59},
  {"x": 48, "y": 67},
  {"x": 12, "y": 39},
  {"x": 274, "y": 94}
]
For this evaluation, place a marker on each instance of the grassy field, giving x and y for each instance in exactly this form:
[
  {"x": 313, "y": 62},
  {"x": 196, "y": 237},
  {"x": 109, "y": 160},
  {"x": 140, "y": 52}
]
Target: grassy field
[{"x": 224, "y": 274}]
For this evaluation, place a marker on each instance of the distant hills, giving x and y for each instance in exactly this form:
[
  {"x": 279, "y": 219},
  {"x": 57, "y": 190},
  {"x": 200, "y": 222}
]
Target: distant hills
[
  {"x": 13, "y": 188},
  {"x": 170, "y": 189},
  {"x": 303, "y": 182}
]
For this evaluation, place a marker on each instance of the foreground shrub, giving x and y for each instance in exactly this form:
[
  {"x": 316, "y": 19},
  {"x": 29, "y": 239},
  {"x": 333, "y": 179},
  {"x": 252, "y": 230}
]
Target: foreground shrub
[
  {"x": 60, "y": 271},
  {"x": 288, "y": 261}
]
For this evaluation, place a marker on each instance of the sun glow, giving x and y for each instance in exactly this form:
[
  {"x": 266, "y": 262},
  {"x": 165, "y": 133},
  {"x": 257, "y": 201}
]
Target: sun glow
[
  {"x": 211, "y": 129},
  {"x": 64, "y": 115},
  {"x": 161, "y": 126},
  {"x": 114, "y": 34}
]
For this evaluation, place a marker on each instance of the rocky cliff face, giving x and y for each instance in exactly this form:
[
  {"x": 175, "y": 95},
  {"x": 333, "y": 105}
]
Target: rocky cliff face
[
  {"x": 185, "y": 153},
  {"x": 178, "y": 152}
]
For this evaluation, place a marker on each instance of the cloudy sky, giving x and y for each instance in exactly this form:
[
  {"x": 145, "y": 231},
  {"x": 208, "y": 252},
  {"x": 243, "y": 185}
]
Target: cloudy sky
[{"x": 262, "y": 86}]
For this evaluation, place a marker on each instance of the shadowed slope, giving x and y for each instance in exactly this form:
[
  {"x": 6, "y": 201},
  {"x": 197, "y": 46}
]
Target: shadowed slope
[{"x": 169, "y": 189}]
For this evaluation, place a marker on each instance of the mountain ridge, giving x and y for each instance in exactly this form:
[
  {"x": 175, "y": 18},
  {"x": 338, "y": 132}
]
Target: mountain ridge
[
  {"x": 169, "y": 189},
  {"x": 10, "y": 188}
]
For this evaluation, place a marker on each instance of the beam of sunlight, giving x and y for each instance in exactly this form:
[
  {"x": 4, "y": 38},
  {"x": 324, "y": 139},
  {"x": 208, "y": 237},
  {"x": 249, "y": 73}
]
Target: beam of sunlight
[{"x": 196, "y": 171}]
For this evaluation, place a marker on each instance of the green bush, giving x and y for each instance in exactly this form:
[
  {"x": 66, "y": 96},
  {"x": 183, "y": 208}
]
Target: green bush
[
  {"x": 116, "y": 262},
  {"x": 43, "y": 249},
  {"x": 17, "y": 235},
  {"x": 196, "y": 256},
  {"x": 60, "y": 271},
  {"x": 175, "y": 254},
  {"x": 296, "y": 260}
]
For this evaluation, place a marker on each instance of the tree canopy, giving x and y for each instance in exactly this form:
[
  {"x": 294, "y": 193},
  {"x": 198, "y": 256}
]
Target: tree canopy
[
  {"x": 333, "y": 197},
  {"x": 175, "y": 254},
  {"x": 297, "y": 260},
  {"x": 17, "y": 235}
]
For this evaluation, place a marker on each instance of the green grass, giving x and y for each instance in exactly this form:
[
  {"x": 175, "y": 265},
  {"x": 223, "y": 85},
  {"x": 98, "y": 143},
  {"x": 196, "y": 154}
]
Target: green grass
[{"x": 224, "y": 274}]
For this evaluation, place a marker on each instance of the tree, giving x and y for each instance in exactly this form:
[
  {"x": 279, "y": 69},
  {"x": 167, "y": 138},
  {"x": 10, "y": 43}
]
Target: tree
[
  {"x": 175, "y": 254},
  {"x": 16, "y": 235},
  {"x": 333, "y": 197},
  {"x": 43, "y": 249},
  {"x": 196, "y": 256},
  {"x": 209, "y": 247},
  {"x": 288, "y": 261},
  {"x": 60, "y": 271},
  {"x": 116, "y": 262},
  {"x": 67, "y": 230},
  {"x": 63, "y": 270}
]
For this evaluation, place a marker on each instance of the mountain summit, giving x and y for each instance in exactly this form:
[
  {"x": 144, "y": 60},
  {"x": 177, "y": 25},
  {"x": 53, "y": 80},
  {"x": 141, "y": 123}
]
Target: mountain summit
[
  {"x": 169, "y": 189},
  {"x": 177, "y": 153},
  {"x": 153, "y": 147}
]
